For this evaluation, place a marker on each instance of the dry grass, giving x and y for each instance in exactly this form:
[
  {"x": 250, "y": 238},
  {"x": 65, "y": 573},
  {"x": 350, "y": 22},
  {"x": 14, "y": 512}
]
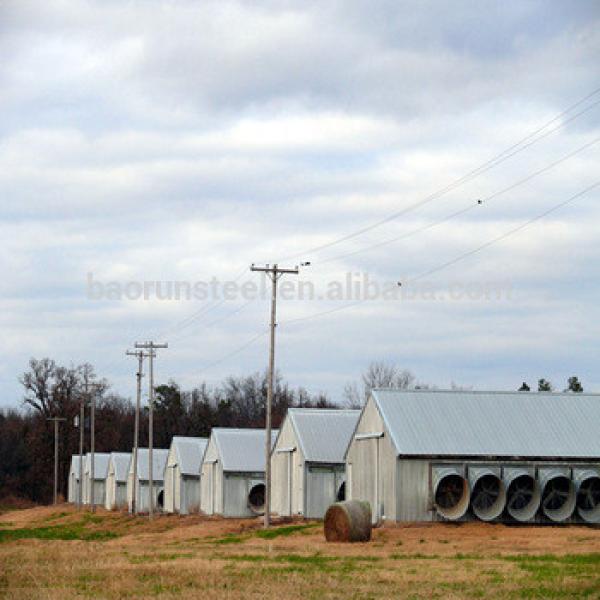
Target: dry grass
[{"x": 61, "y": 554}]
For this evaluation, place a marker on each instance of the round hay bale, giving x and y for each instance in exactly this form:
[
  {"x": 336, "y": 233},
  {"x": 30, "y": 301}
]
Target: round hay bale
[{"x": 348, "y": 521}]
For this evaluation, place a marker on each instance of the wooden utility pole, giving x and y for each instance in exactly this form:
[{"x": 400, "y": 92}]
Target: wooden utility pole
[
  {"x": 151, "y": 347},
  {"x": 81, "y": 433},
  {"x": 56, "y": 420},
  {"x": 275, "y": 273},
  {"x": 140, "y": 355}
]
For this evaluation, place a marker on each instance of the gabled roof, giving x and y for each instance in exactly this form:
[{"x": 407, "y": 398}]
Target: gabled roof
[
  {"x": 75, "y": 464},
  {"x": 515, "y": 424},
  {"x": 121, "y": 462},
  {"x": 159, "y": 461},
  {"x": 100, "y": 464},
  {"x": 323, "y": 434},
  {"x": 242, "y": 450},
  {"x": 190, "y": 452}
]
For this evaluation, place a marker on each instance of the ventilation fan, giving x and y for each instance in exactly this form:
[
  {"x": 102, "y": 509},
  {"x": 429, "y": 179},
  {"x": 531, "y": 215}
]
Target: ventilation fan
[
  {"x": 449, "y": 491},
  {"x": 556, "y": 493},
  {"x": 521, "y": 492},
  {"x": 486, "y": 492},
  {"x": 588, "y": 496}
]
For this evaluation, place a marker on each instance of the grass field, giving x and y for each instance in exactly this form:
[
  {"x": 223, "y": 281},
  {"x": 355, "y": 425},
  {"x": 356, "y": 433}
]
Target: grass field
[{"x": 60, "y": 553}]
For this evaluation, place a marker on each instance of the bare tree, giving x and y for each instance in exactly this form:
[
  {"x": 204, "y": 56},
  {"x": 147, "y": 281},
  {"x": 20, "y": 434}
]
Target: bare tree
[{"x": 378, "y": 375}]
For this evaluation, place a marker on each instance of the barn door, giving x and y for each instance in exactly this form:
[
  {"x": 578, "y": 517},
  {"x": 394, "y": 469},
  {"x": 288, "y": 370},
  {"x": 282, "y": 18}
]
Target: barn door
[{"x": 320, "y": 491}]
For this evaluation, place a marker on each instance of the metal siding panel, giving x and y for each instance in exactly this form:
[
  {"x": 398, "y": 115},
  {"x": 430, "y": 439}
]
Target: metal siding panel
[
  {"x": 413, "y": 491},
  {"x": 236, "y": 489},
  {"x": 175, "y": 490},
  {"x": 320, "y": 491},
  {"x": 190, "y": 500},
  {"x": 362, "y": 458},
  {"x": 280, "y": 467}
]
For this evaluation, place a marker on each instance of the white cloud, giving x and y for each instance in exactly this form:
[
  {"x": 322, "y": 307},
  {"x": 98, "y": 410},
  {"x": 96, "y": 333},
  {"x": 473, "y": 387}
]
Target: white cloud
[{"x": 184, "y": 140}]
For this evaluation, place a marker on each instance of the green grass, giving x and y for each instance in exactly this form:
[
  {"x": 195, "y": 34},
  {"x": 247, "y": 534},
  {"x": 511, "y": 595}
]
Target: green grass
[
  {"x": 277, "y": 564},
  {"x": 230, "y": 538},
  {"x": 71, "y": 531},
  {"x": 265, "y": 534},
  {"x": 417, "y": 556},
  {"x": 144, "y": 558},
  {"x": 275, "y": 532}
]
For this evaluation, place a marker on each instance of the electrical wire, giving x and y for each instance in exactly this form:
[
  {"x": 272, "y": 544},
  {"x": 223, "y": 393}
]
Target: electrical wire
[
  {"x": 523, "y": 144},
  {"x": 231, "y": 354},
  {"x": 216, "y": 321},
  {"x": 457, "y": 259},
  {"x": 464, "y": 210}
]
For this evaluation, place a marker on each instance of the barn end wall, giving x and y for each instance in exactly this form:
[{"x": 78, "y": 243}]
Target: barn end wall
[
  {"x": 211, "y": 486},
  {"x": 283, "y": 463},
  {"x": 370, "y": 465}
]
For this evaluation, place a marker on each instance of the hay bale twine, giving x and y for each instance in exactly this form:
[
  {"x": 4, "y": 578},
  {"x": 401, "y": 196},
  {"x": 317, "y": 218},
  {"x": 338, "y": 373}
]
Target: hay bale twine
[{"x": 348, "y": 521}]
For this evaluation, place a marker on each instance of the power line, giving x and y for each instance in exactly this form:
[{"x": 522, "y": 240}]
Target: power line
[
  {"x": 528, "y": 140},
  {"x": 523, "y": 144},
  {"x": 505, "y": 235},
  {"x": 217, "y": 321},
  {"x": 461, "y": 211},
  {"x": 456, "y": 259},
  {"x": 233, "y": 353},
  {"x": 185, "y": 323}
]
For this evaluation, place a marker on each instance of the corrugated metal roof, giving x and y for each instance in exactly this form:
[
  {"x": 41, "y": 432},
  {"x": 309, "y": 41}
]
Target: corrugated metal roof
[
  {"x": 159, "y": 461},
  {"x": 242, "y": 450},
  {"x": 100, "y": 464},
  {"x": 121, "y": 462},
  {"x": 323, "y": 434},
  {"x": 190, "y": 452},
  {"x": 526, "y": 424}
]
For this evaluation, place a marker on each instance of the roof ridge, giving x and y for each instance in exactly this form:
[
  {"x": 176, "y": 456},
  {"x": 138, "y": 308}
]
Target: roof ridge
[{"x": 500, "y": 392}]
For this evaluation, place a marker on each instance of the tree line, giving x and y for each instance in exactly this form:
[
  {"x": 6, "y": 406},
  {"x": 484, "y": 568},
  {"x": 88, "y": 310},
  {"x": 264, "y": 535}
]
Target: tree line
[
  {"x": 52, "y": 390},
  {"x": 27, "y": 437}
]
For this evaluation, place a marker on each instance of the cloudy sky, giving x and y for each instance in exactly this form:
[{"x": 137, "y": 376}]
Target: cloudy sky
[{"x": 181, "y": 141}]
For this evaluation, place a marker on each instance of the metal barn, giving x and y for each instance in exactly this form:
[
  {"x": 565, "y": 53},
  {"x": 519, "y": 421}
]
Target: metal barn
[
  {"x": 233, "y": 473},
  {"x": 493, "y": 456},
  {"x": 99, "y": 484},
  {"x": 74, "y": 489},
  {"x": 182, "y": 474},
  {"x": 159, "y": 461},
  {"x": 116, "y": 481},
  {"x": 307, "y": 463}
]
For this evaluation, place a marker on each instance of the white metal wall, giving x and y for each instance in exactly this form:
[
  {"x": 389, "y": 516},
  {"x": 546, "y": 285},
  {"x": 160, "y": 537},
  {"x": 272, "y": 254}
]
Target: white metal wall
[
  {"x": 371, "y": 466},
  {"x": 236, "y": 487},
  {"x": 109, "y": 502},
  {"x": 287, "y": 474},
  {"x": 211, "y": 490},
  {"x": 73, "y": 494},
  {"x": 190, "y": 495},
  {"x": 322, "y": 485}
]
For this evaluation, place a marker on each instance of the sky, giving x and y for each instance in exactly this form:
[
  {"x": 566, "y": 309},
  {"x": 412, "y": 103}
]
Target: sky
[{"x": 164, "y": 141}]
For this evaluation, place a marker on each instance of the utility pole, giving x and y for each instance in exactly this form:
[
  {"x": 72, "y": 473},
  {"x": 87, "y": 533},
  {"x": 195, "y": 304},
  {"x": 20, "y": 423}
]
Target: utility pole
[
  {"x": 92, "y": 396},
  {"x": 275, "y": 273},
  {"x": 136, "y": 431},
  {"x": 81, "y": 432},
  {"x": 151, "y": 347},
  {"x": 56, "y": 422}
]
